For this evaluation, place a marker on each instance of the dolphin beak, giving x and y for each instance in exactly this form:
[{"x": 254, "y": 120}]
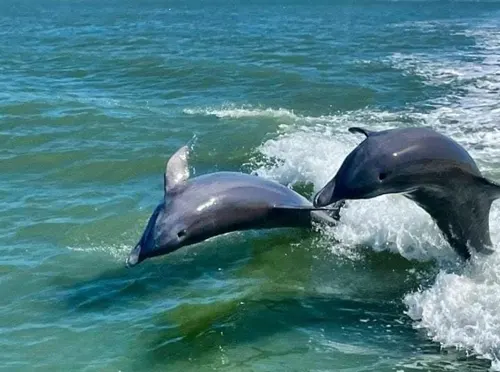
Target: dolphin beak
[
  {"x": 326, "y": 195},
  {"x": 133, "y": 258}
]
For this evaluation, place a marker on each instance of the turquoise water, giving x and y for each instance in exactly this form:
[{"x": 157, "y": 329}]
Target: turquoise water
[{"x": 96, "y": 95}]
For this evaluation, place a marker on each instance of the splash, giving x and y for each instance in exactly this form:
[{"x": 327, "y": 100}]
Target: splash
[{"x": 461, "y": 310}]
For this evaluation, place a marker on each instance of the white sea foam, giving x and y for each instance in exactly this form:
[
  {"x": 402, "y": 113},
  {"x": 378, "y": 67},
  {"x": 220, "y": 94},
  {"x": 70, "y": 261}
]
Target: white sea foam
[
  {"x": 461, "y": 310},
  {"x": 236, "y": 112}
]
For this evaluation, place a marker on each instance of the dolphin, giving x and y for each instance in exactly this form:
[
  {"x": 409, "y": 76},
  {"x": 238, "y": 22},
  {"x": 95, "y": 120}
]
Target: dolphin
[
  {"x": 427, "y": 167},
  {"x": 193, "y": 210}
]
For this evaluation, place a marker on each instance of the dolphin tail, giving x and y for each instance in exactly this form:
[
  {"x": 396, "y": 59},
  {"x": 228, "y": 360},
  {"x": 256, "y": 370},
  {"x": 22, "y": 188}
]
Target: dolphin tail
[{"x": 329, "y": 216}]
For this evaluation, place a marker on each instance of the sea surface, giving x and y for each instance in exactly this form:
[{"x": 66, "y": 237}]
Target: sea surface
[{"x": 96, "y": 95}]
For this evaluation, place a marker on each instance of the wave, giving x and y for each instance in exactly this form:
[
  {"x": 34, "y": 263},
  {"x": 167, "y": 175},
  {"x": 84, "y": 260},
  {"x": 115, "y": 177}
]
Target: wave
[{"x": 459, "y": 309}]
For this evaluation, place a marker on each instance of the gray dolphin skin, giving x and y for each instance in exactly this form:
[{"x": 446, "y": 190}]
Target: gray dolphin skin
[
  {"x": 427, "y": 167},
  {"x": 196, "y": 209}
]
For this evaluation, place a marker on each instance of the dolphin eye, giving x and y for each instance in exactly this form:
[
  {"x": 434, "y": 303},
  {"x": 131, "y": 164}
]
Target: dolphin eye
[
  {"x": 181, "y": 233},
  {"x": 382, "y": 176}
]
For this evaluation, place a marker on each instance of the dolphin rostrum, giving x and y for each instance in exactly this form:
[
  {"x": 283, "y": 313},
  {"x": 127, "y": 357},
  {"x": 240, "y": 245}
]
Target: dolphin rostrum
[
  {"x": 426, "y": 167},
  {"x": 196, "y": 209}
]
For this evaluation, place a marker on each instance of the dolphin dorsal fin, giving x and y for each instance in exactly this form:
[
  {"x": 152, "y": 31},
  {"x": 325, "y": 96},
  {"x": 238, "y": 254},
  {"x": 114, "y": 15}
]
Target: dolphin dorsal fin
[
  {"x": 366, "y": 132},
  {"x": 177, "y": 170}
]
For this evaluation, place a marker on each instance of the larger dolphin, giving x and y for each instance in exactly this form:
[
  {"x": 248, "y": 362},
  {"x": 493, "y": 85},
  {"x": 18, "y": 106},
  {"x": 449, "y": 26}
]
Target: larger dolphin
[
  {"x": 196, "y": 209},
  {"x": 428, "y": 168}
]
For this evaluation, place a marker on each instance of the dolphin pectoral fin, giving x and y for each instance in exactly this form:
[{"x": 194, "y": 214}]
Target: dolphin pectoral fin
[
  {"x": 325, "y": 196},
  {"x": 177, "y": 170},
  {"x": 492, "y": 189},
  {"x": 486, "y": 251},
  {"x": 364, "y": 131},
  {"x": 134, "y": 256}
]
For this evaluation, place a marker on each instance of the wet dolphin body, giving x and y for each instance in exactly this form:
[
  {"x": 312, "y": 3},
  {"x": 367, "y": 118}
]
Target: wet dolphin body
[
  {"x": 428, "y": 168},
  {"x": 199, "y": 208}
]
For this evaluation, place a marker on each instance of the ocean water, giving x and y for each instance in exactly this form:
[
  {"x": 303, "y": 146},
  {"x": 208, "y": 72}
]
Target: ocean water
[{"x": 96, "y": 95}]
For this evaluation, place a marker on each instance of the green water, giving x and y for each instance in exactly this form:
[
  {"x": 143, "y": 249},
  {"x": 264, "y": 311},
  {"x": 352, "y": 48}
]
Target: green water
[{"x": 96, "y": 95}]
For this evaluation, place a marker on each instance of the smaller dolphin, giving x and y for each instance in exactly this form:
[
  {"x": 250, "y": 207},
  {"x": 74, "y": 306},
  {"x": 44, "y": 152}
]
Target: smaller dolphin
[
  {"x": 194, "y": 210},
  {"x": 428, "y": 168}
]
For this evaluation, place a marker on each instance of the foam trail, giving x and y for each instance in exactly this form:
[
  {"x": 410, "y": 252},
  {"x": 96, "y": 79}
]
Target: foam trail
[
  {"x": 379, "y": 119},
  {"x": 235, "y": 112}
]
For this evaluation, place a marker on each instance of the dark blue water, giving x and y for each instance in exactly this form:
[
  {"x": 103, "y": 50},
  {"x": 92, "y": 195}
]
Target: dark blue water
[{"x": 96, "y": 95}]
